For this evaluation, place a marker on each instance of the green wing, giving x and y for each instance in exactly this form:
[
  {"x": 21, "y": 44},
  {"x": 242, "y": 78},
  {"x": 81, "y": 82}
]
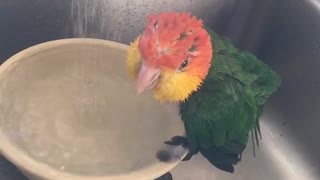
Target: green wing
[
  {"x": 223, "y": 111},
  {"x": 219, "y": 117}
]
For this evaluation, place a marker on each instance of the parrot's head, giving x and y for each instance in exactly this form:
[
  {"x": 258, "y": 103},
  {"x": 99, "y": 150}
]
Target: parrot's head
[{"x": 172, "y": 56}]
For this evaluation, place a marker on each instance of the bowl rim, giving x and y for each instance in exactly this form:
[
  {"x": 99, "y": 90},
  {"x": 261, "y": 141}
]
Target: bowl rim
[{"x": 29, "y": 165}]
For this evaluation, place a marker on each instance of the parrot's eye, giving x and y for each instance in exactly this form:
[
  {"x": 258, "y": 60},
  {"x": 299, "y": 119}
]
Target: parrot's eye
[{"x": 184, "y": 64}]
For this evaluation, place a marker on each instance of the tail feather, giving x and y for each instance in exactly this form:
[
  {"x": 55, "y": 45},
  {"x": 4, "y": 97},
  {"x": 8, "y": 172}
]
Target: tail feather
[
  {"x": 216, "y": 156},
  {"x": 221, "y": 159}
]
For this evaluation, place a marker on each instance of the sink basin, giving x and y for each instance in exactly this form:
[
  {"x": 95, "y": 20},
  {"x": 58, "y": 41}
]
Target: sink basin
[
  {"x": 283, "y": 33},
  {"x": 69, "y": 111}
]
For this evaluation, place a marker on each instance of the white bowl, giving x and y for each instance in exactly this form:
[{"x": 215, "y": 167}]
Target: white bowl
[{"x": 69, "y": 111}]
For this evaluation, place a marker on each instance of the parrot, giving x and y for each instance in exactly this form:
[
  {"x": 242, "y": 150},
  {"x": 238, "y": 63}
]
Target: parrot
[{"x": 220, "y": 90}]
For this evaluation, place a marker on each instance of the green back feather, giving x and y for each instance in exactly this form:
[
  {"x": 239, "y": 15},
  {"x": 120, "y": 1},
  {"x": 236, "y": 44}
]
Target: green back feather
[{"x": 220, "y": 116}]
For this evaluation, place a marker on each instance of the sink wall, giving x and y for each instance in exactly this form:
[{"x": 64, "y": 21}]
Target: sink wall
[{"x": 285, "y": 34}]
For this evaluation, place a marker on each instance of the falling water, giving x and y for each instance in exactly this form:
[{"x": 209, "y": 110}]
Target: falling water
[
  {"x": 121, "y": 21},
  {"x": 89, "y": 19}
]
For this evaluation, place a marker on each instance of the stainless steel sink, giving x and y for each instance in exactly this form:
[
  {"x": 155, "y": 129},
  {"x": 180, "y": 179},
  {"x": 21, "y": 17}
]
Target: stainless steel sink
[{"x": 285, "y": 34}]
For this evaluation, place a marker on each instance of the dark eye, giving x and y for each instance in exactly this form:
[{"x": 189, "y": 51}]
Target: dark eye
[{"x": 184, "y": 64}]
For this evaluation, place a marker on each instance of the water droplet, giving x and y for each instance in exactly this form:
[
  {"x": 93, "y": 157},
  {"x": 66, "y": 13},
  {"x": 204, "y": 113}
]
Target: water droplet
[{"x": 130, "y": 26}]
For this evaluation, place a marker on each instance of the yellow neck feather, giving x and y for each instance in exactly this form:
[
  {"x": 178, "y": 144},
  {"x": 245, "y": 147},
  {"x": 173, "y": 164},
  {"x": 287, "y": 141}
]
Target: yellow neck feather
[{"x": 134, "y": 60}]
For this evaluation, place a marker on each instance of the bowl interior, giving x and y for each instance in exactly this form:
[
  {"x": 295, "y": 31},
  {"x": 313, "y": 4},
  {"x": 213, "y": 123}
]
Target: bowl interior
[{"x": 71, "y": 105}]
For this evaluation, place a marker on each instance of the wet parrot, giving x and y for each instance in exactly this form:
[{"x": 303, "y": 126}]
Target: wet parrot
[{"x": 221, "y": 91}]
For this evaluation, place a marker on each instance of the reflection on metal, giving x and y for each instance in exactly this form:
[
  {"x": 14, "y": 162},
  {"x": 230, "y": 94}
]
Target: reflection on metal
[{"x": 285, "y": 34}]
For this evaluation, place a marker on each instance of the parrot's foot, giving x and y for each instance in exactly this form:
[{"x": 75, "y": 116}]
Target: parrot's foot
[
  {"x": 167, "y": 176},
  {"x": 175, "y": 141},
  {"x": 187, "y": 157}
]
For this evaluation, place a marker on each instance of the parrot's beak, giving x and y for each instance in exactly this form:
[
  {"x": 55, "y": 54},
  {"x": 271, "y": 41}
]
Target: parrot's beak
[{"x": 148, "y": 77}]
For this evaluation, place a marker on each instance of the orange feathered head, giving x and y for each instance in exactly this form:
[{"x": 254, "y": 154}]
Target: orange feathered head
[{"x": 172, "y": 56}]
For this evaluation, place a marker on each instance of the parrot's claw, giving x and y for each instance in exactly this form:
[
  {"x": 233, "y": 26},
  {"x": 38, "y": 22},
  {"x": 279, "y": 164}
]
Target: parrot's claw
[
  {"x": 167, "y": 176},
  {"x": 178, "y": 140},
  {"x": 187, "y": 157},
  {"x": 171, "y": 143}
]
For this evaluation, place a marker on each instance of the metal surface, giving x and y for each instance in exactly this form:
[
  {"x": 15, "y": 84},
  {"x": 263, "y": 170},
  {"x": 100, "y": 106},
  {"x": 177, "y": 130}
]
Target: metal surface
[{"x": 285, "y": 34}]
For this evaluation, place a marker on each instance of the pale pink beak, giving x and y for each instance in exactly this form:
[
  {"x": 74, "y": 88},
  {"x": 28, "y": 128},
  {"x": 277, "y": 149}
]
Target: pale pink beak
[{"x": 148, "y": 77}]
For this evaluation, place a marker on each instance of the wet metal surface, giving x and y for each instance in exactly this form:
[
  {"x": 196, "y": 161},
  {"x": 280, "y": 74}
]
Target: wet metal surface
[{"x": 285, "y": 34}]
